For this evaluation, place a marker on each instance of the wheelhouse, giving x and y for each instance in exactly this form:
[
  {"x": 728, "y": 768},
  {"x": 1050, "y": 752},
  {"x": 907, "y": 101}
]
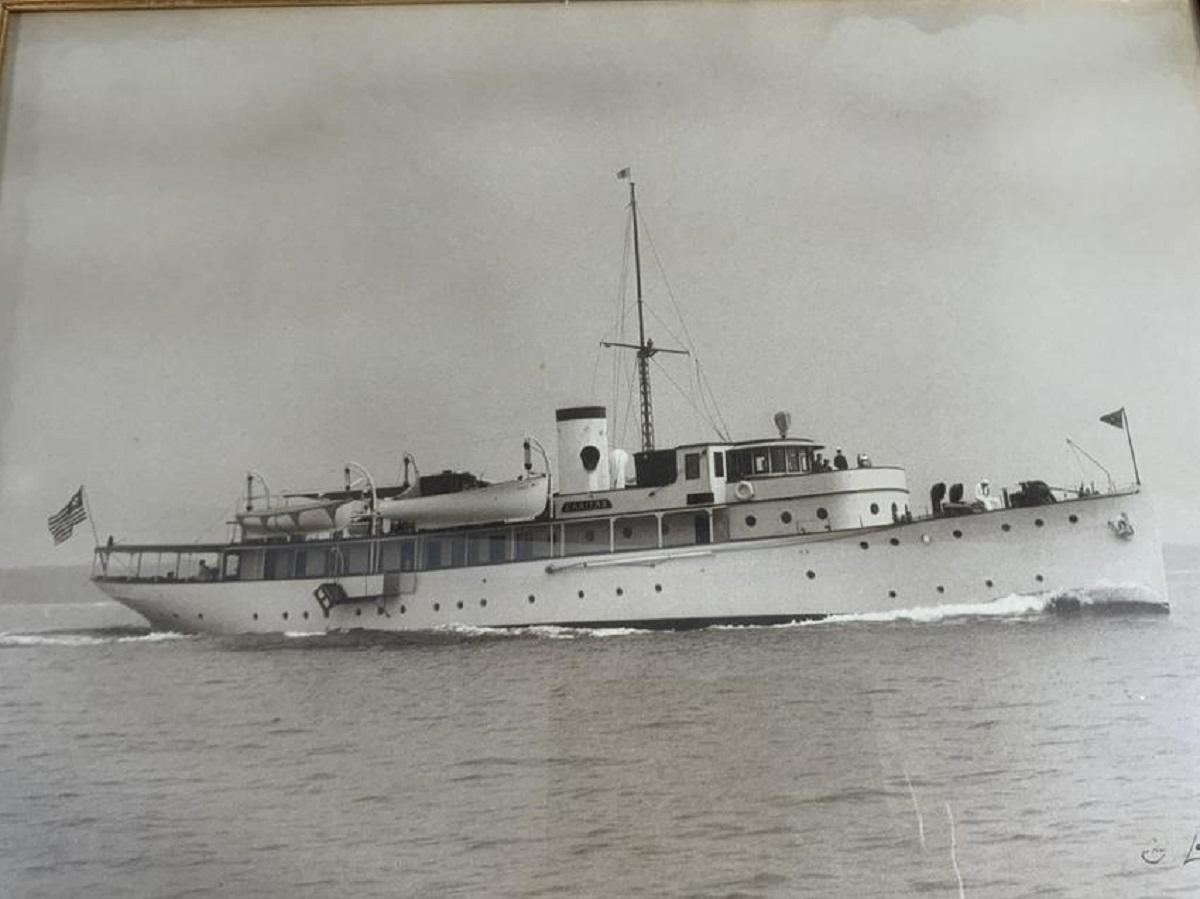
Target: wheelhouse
[{"x": 769, "y": 459}]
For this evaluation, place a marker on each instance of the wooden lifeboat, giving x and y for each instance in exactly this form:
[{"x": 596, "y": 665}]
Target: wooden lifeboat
[
  {"x": 517, "y": 500},
  {"x": 306, "y": 516}
]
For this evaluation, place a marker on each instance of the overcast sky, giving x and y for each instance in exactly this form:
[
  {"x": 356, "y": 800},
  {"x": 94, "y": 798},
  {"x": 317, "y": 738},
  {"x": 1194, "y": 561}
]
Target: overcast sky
[{"x": 949, "y": 235}]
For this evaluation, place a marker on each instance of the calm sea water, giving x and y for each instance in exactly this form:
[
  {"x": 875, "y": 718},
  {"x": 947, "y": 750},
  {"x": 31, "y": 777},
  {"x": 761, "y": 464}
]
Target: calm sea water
[{"x": 1013, "y": 754}]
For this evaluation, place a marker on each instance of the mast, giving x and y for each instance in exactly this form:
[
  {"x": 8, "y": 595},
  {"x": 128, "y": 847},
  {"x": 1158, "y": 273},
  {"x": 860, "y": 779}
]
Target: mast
[
  {"x": 645, "y": 351},
  {"x": 645, "y": 348}
]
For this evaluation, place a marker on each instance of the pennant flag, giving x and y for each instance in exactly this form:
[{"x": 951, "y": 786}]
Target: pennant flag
[
  {"x": 623, "y": 174},
  {"x": 62, "y": 524},
  {"x": 1116, "y": 419}
]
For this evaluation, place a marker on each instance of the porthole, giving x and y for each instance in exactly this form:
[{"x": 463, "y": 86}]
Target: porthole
[
  {"x": 378, "y": 611},
  {"x": 989, "y": 583},
  {"x": 531, "y": 597},
  {"x": 483, "y": 603},
  {"x": 285, "y": 614},
  {"x": 1074, "y": 519},
  {"x": 358, "y": 612},
  {"x": 658, "y": 588},
  {"x": 874, "y": 508},
  {"x": 895, "y": 541},
  {"x": 437, "y": 606},
  {"x": 864, "y": 545},
  {"x": 580, "y": 596},
  {"x": 626, "y": 533},
  {"x": 751, "y": 521},
  {"x": 589, "y": 536},
  {"x": 958, "y": 535},
  {"x": 200, "y": 615},
  {"x": 1006, "y": 527},
  {"x": 620, "y": 592},
  {"x": 891, "y": 594},
  {"x": 403, "y": 609},
  {"x": 304, "y": 615},
  {"x": 459, "y": 603},
  {"x": 810, "y": 574},
  {"x": 1038, "y": 578},
  {"x": 254, "y": 616},
  {"x": 785, "y": 517},
  {"x": 822, "y": 513},
  {"x": 1037, "y": 522},
  {"x": 925, "y": 538},
  {"x": 941, "y": 589}
]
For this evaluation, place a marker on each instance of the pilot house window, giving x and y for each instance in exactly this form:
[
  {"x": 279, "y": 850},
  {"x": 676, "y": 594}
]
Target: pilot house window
[
  {"x": 691, "y": 466},
  {"x": 719, "y": 465},
  {"x": 759, "y": 461},
  {"x": 759, "y": 458}
]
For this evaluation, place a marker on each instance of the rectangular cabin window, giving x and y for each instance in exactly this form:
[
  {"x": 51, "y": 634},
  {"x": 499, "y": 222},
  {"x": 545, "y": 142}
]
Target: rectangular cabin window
[
  {"x": 533, "y": 543},
  {"x": 396, "y": 555},
  {"x": 738, "y": 465},
  {"x": 718, "y": 465},
  {"x": 486, "y": 548},
  {"x": 581, "y": 538},
  {"x": 433, "y": 553},
  {"x": 477, "y": 549},
  {"x": 314, "y": 562},
  {"x": 777, "y": 460},
  {"x": 278, "y": 564},
  {"x": 357, "y": 557},
  {"x": 759, "y": 458},
  {"x": 497, "y": 547},
  {"x": 793, "y": 459},
  {"x": 805, "y": 460},
  {"x": 336, "y": 562},
  {"x": 691, "y": 466}
]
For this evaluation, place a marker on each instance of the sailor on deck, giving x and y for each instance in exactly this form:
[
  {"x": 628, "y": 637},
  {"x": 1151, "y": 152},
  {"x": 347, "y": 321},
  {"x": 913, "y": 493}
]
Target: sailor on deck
[{"x": 839, "y": 461}]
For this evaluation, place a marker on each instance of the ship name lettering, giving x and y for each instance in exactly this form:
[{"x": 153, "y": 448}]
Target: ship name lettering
[{"x": 586, "y": 505}]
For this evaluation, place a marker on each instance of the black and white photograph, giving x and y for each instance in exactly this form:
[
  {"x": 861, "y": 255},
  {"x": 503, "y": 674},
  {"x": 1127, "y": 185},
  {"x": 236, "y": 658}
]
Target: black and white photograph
[{"x": 604, "y": 448}]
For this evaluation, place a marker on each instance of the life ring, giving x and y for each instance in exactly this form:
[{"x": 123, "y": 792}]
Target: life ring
[{"x": 744, "y": 490}]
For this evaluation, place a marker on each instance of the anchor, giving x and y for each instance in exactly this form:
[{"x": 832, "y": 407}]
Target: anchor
[{"x": 1122, "y": 527}]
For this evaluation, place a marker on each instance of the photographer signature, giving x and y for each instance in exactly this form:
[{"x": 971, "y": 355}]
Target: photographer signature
[{"x": 1154, "y": 854}]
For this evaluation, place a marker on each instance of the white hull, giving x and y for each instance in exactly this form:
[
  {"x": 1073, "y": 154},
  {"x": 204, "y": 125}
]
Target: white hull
[{"x": 749, "y": 581}]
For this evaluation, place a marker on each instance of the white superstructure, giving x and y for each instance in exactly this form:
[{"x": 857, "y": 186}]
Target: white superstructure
[{"x": 709, "y": 533}]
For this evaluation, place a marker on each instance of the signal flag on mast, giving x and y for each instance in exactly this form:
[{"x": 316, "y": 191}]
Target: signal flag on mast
[
  {"x": 623, "y": 174},
  {"x": 1120, "y": 420},
  {"x": 1116, "y": 419}
]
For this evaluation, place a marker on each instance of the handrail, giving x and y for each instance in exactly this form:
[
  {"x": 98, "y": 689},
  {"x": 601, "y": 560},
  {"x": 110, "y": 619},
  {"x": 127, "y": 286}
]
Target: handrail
[{"x": 554, "y": 568}]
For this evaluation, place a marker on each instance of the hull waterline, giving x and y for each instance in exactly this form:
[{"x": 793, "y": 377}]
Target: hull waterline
[{"x": 973, "y": 558}]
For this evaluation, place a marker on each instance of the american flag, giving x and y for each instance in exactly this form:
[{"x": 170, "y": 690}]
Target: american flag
[{"x": 62, "y": 524}]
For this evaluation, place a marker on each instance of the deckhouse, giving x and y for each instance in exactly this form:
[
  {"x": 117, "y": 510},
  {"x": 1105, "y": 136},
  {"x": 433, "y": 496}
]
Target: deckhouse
[{"x": 708, "y": 492}]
